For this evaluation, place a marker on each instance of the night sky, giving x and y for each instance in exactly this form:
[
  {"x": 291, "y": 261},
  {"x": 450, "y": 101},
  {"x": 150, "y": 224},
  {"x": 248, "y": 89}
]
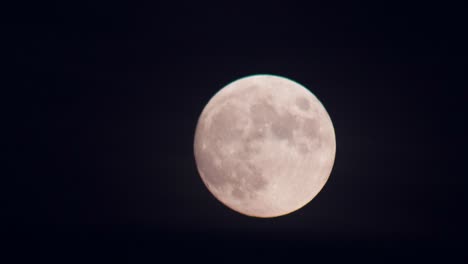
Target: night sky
[{"x": 101, "y": 100}]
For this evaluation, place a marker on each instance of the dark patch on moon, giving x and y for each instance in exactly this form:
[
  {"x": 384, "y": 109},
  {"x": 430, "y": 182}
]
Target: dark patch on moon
[
  {"x": 248, "y": 149},
  {"x": 257, "y": 133},
  {"x": 249, "y": 178},
  {"x": 257, "y": 181},
  {"x": 311, "y": 128},
  {"x": 302, "y": 103},
  {"x": 237, "y": 193},
  {"x": 284, "y": 125},
  {"x": 303, "y": 149},
  {"x": 262, "y": 113}
]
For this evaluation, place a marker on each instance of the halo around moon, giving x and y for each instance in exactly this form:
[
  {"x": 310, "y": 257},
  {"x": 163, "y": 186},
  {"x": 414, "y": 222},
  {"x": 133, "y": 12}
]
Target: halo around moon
[{"x": 264, "y": 146}]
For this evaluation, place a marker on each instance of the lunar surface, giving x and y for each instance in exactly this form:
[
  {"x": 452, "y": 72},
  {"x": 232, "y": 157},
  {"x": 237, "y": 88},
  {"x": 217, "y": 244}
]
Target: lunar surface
[{"x": 264, "y": 146}]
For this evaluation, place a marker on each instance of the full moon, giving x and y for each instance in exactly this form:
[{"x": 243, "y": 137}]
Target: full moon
[{"x": 264, "y": 146}]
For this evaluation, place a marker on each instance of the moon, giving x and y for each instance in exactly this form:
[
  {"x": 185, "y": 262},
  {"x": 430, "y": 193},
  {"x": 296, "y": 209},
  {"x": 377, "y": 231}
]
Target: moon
[{"x": 264, "y": 146}]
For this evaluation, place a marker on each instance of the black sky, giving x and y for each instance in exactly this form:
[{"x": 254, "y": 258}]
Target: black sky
[{"x": 101, "y": 102}]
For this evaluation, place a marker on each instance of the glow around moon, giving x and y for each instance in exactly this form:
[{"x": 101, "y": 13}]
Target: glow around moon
[{"x": 264, "y": 146}]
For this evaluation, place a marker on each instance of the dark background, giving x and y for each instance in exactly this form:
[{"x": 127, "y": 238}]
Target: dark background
[{"x": 101, "y": 101}]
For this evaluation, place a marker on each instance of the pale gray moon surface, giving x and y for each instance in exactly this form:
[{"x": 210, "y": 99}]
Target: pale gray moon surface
[{"x": 264, "y": 146}]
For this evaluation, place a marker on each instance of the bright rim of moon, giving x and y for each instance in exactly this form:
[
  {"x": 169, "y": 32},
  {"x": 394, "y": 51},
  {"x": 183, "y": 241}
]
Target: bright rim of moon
[{"x": 264, "y": 146}]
